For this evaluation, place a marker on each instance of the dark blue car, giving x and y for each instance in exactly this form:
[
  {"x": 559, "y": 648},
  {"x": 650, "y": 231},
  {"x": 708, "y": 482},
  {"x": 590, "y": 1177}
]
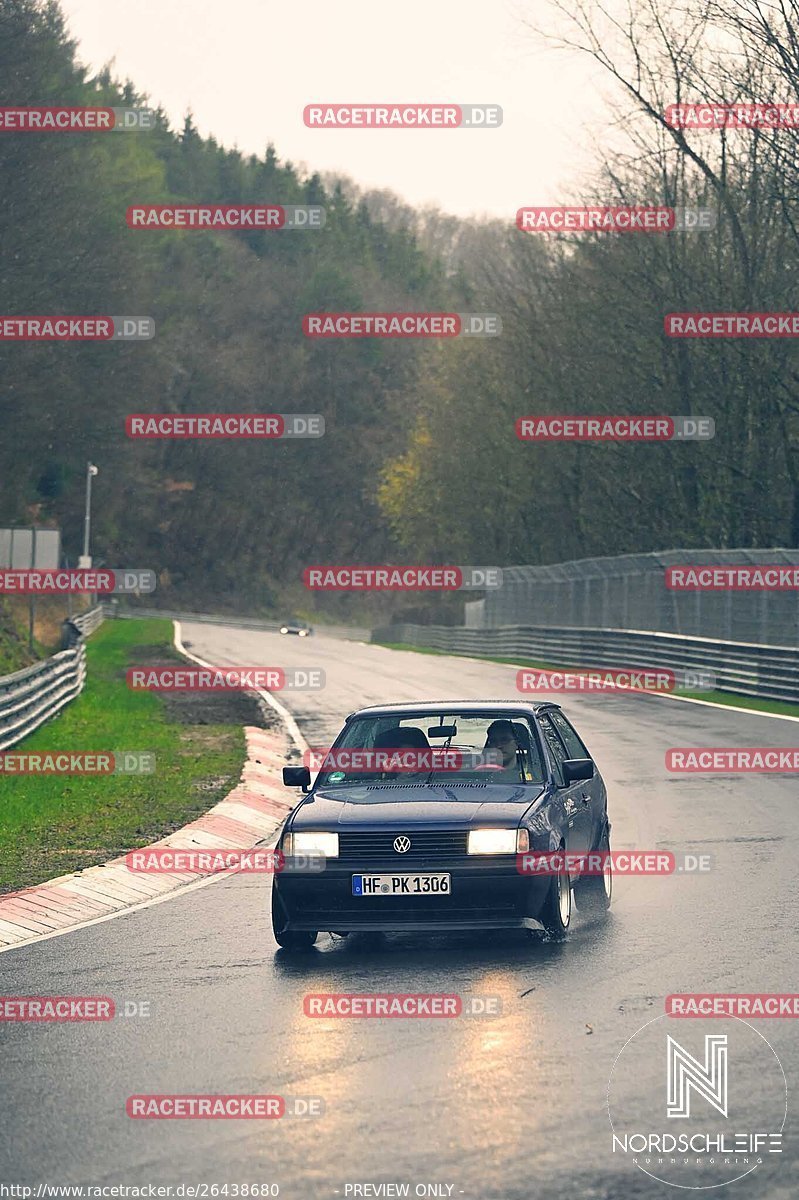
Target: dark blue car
[{"x": 424, "y": 816}]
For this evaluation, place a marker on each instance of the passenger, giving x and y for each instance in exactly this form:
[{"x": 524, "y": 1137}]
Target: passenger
[
  {"x": 500, "y": 736},
  {"x": 503, "y": 740}
]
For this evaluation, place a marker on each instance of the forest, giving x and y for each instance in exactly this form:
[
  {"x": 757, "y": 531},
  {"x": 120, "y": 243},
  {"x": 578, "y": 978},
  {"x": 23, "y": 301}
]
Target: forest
[{"x": 420, "y": 462}]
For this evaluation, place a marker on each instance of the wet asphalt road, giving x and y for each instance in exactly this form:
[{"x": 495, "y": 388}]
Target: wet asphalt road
[{"x": 511, "y": 1106}]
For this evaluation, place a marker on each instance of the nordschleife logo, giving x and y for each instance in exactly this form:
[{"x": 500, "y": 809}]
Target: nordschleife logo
[
  {"x": 685, "y": 1074},
  {"x": 714, "y": 1115}
]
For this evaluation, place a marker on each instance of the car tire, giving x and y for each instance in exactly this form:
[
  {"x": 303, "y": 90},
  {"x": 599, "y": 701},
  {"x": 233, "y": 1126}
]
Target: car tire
[
  {"x": 595, "y": 892},
  {"x": 556, "y": 913},
  {"x": 289, "y": 939}
]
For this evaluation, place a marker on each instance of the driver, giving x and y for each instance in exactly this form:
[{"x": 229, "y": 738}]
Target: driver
[{"x": 402, "y": 737}]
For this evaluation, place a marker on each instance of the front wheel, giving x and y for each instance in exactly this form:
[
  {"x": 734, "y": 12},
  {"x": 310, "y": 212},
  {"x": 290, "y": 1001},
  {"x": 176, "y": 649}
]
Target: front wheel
[
  {"x": 556, "y": 914},
  {"x": 594, "y": 892},
  {"x": 289, "y": 939}
]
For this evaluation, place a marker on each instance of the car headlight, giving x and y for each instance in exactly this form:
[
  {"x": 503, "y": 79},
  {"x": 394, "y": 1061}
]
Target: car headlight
[
  {"x": 325, "y": 844},
  {"x": 495, "y": 841},
  {"x": 303, "y": 633},
  {"x": 283, "y": 629}
]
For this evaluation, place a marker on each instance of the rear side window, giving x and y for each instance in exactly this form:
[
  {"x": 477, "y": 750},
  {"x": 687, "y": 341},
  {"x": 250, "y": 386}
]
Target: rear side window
[
  {"x": 574, "y": 746},
  {"x": 532, "y": 759},
  {"x": 555, "y": 746}
]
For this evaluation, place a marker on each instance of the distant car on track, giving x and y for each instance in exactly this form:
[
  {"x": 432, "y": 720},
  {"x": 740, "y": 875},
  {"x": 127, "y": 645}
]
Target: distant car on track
[
  {"x": 298, "y": 627},
  {"x": 435, "y": 844}
]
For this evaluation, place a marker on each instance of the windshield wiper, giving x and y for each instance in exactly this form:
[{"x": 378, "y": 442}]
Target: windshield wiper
[{"x": 432, "y": 769}]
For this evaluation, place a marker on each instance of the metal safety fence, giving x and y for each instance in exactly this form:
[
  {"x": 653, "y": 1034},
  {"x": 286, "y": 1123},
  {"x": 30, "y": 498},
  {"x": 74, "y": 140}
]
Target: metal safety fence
[
  {"x": 629, "y": 592},
  {"x": 763, "y": 671},
  {"x": 35, "y": 694}
]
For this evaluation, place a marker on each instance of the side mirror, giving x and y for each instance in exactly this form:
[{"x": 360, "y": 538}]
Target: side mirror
[
  {"x": 297, "y": 777},
  {"x": 574, "y": 769}
]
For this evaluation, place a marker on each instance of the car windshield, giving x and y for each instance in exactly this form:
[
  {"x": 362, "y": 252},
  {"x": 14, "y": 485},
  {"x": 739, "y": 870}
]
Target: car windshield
[{"x": 435, "y": 748}]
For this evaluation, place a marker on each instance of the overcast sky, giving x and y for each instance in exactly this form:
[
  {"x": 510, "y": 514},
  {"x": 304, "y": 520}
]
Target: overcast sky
[{"x": 247, "y": 68}]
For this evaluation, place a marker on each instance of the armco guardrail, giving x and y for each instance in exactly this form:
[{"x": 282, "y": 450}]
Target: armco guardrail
[
  {"x": 748, "y": 669},
  {"x": 33, "y": 695},
  {"x": 87, "y": 622}
]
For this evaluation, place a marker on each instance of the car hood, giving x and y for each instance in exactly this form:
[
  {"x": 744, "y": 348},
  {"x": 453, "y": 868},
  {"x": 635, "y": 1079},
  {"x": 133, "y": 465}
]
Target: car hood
[{"x": 425, "y": 804}]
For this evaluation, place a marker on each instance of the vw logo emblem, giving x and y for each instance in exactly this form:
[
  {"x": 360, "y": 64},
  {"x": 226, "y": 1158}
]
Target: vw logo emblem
[{"x": 402, "y": 844}]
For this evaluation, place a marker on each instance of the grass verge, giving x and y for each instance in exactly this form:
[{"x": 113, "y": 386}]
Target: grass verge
[{"x": 50, "y": 825}]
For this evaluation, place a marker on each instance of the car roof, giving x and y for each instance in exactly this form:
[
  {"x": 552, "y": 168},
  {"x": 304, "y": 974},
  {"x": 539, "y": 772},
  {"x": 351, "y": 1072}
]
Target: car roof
[{"x": 434, "y": 707}]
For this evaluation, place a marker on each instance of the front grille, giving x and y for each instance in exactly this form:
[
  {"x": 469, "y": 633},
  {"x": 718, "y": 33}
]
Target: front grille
[{"x": 425, "y": 843}]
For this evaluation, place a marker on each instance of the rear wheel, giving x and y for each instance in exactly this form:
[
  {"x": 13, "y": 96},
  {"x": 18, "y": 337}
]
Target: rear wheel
[
  {"x": 557, "y": 911},
  {"x": 289, "y": 939},
  {"x": 594, "y": 892}
]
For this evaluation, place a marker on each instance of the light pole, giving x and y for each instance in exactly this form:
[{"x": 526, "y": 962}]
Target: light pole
[{"x": 85, "y": 561}]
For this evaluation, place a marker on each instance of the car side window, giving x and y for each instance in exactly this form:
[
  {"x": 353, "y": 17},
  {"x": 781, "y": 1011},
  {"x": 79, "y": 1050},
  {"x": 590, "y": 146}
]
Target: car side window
[
  {"x": 531, "y": 761},
  {"x": 574, "y": 746},
  {"x": 555, "y": 746}
]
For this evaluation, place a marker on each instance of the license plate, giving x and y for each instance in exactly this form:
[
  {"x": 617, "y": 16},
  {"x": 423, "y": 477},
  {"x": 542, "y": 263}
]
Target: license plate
[{"x": 401, "y": 885}]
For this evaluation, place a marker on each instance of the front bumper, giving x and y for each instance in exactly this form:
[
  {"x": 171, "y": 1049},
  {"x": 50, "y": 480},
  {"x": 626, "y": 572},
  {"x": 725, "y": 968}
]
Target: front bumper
[{"x": 487, "y": 893}]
